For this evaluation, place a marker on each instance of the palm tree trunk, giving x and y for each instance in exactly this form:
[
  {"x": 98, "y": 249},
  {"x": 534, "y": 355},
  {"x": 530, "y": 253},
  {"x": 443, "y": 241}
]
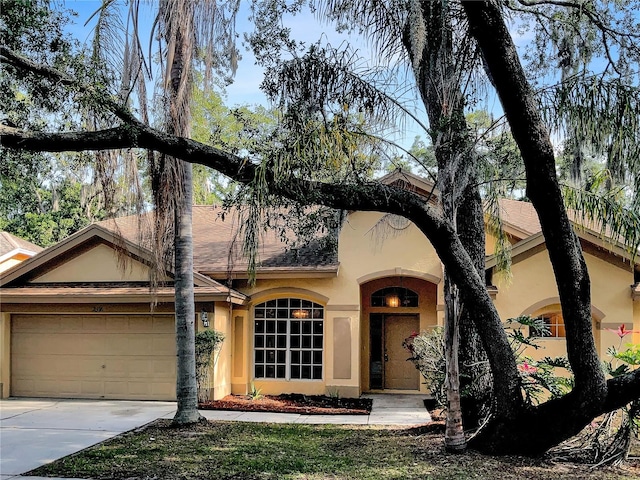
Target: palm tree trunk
[{"x": 186, "y": 384}]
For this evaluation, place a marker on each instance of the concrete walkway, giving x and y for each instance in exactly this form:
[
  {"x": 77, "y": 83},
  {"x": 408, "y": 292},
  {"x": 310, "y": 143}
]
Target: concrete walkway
[
  {"x": 34, "y": 432},
  {"x": 388, "y": 409}
]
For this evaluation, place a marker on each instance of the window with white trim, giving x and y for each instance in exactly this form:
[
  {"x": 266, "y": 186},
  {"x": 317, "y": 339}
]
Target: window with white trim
[
  {"x": 288, "y": 339},
  {"x": 554, "y": 326}
]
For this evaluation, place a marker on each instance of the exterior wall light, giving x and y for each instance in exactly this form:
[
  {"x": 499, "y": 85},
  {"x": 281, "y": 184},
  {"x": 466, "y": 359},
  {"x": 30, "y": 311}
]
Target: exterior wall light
[
  {"x": 204, "y": 316},
  {"x": 392, "y": 300}
]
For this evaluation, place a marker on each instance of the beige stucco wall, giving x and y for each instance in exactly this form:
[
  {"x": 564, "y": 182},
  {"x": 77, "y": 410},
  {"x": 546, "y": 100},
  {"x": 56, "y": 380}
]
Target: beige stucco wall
[
  {"x": 532, "y": 290},
  {"x": 220, "y": 321},
  {"x": 5, "y": 354},
  {"x": 97, "y": 265},
  {"x": 363, "y": 256},
  {"x": 636, "y": 322}
]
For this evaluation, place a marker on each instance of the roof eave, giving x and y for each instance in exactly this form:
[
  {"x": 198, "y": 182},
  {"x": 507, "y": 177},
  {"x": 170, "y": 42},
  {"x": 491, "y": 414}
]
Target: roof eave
[
  {"x": 276, "y": 273},
  {"x": 75, "y": 296}
]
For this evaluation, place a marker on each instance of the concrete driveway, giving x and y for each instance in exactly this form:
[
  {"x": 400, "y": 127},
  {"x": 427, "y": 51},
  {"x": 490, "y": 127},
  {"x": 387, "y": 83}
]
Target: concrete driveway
[{"x": 37, "y": 431}]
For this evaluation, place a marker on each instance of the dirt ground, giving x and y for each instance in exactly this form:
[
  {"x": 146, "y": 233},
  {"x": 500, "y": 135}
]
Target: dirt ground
[{"x": 294, "y": 403}]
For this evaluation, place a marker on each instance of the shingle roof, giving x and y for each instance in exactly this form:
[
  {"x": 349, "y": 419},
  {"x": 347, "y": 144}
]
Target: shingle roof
[
  {"x": 9, "y": 243},
  {"x": 520, "y": 215},
  {"x": 217, "y": 245}
]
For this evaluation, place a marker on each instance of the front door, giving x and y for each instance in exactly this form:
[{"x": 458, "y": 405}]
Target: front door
[
  {"x": 389, "y": 368},
  {"x": 399, "y": 374}
]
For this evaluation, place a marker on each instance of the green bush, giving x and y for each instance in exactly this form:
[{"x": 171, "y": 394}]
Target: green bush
[{"x": 208, "y": 342}]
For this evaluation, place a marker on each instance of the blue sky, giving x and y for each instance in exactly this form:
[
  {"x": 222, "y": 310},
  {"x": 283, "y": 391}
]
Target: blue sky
[{"x": 246, "y": 85}]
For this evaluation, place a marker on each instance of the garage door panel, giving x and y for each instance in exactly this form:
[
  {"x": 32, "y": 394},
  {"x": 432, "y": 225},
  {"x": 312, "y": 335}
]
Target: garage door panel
[
  {"x": 160, "y": 326},
  {"x": 141, "y": 324},
  {"x": 86, "y": 356},
  {"x": 89, "y": 388},
  {"x": 163, "y": 343}
]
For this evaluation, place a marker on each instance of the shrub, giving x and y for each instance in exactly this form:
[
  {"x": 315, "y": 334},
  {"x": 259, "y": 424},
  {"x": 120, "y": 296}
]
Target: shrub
[{"x": 208, "y": 342}]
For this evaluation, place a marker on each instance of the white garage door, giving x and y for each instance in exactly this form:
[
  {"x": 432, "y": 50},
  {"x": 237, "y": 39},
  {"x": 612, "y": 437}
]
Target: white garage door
[{"x": 93, "y": 356}]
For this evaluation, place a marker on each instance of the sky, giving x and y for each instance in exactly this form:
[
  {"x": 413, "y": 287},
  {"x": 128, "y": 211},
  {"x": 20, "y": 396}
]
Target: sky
[
  {"x": 245, "y": 89},
  {"x": 246, "y": 86}
]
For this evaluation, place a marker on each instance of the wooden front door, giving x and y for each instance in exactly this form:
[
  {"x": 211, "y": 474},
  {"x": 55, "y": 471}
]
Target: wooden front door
[{"x": 399, "y": 374}]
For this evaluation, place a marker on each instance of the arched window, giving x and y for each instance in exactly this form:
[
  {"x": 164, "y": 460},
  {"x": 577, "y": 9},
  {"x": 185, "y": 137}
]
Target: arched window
[
  {"x": 394, "y": 297},
  {"x": 288, "y": 339},
  {"x": 554, "y": 326}
]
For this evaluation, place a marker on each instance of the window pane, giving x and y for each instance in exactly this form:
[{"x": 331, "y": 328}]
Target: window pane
[
  {"x": 259, "y": 356},
  {"x": 282, "y": 326},
  {"x": 259, "y": 341},
  {"x": 306, "y": 357},
  {"x": 295, "y": 357},
  {"x": 305, "y": 372},
  {"x": 270, "y": 371},
  {"x": 317, "y": 373},
  {"x": 295, "y": 371},
  {"x": 281, "y": 356},
  {"x": 281, "y": 371},
  {"x": 317, "y": 328},
  {"x": 317, "y": 358},
  {"x": 259, "y": 371},
  {"x": 282, "y": 341},
  {"x": 295, "y": 342},
  {"x": 306, "y": 341},
  {"x": 271, "y": 341},
  {"x": 295, "y": 327},
  {"x": 317, "y": 341},
  {"x": 271, "y": 327},
  {"x": 260, "y": 326},
  {"x": 306, "y": 327},
  {"x": 270, "y": 356}
]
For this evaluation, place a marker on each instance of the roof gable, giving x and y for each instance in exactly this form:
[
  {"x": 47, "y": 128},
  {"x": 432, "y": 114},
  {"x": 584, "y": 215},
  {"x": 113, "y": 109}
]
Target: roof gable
[{"x": 88, "y": 256}]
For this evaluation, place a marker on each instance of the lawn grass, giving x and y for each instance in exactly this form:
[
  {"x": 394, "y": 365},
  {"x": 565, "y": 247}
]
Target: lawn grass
[{"x": 225, "y": 450}]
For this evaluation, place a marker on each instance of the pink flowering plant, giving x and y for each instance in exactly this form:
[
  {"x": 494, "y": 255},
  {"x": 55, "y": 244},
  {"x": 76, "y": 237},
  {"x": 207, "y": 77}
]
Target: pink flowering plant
[
  {"x": 540, "y": 379},
  {"x": 622, "y": 361}
]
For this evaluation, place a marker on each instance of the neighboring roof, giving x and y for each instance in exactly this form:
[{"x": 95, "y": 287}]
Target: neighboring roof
[
  {"x": 218, "y": 245},
  {"x": 10, "y": 245}
]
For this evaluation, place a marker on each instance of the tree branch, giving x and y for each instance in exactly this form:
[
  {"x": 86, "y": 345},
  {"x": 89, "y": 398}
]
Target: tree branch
[
  {"x": 12, "y": 58},
  {"x": 622, "y": 390}
]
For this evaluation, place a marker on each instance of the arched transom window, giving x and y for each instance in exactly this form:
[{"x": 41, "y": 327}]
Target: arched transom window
[
  {"x": 554, "y": 326},
  {"x": 394, "y": 297},
  {"x": 288, "y": 339}
]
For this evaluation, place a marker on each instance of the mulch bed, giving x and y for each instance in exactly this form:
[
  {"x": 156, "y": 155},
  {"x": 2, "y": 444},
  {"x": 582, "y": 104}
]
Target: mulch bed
[{"x": 292, "y": 403}]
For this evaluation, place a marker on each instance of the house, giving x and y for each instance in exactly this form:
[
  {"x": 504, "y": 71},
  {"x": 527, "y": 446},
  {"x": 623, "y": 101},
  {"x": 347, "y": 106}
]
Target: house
[
  {"x": 14, "y": 250},
  {"x": 76, "y": 319}
]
